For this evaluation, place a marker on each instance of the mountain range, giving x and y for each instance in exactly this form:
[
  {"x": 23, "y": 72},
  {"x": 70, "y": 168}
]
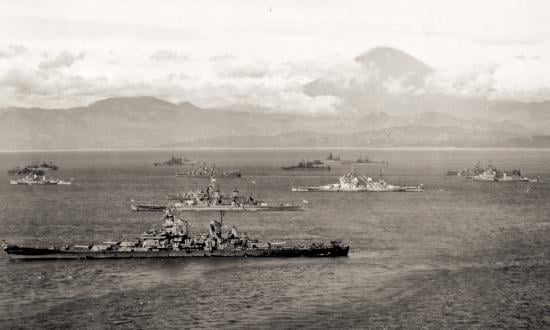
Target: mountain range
[{"x": 379, "y": 118}]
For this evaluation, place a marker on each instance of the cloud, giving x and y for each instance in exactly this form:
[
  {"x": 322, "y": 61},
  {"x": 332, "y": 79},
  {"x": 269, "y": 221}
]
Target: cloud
[
  {"x": 231, "y": 67},
  {"x": 165, "y": 55},
  {"x": 12, "y": 51},
  {"x": 464, "y": 80},
  {"x": 64, "y": 59}
]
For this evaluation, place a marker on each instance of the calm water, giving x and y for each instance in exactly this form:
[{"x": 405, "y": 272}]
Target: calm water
[{"x": 461, "y": 254}]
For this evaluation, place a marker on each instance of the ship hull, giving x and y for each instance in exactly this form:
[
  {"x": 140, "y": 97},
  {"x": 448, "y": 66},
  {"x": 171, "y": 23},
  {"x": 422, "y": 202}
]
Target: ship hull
[
  {"x": 321, "y": 189},
  {"x": 158, "y": 208},
  {"x": 27, "y": 253}
]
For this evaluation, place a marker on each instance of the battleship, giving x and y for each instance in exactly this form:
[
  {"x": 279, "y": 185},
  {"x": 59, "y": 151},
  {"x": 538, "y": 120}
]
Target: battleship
[
  {"x": 35, "y": 179},
  {"x": 205, "y": 171},
  {"x": 210, "y": 199},
  {"x": 307, "y": 166},
  {"x": 174, "y": 240},
  {"x": 351, "y": 182},
  {"x": 177, "y": 162}
]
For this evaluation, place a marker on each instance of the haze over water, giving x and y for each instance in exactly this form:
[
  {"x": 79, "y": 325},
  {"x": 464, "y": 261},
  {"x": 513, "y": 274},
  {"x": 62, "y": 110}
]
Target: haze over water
[{"x": 459, "y": 255}]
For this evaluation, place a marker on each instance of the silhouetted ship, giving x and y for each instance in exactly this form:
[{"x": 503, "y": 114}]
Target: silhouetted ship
[
  {"x": 307, "y": 166},
  {"x": 34, "y": 179},
  {"x": 177, "y": 162},
  {"x": 491, "y": 174},
  {"x": 36, "y": 168},
  {"x": 351, "y": 182},
  {"x": 332, "y": 159},
  {"x": 174, "y": 240},
  {"x": 364, "y": 160},
  {"x": 205, "y": 171},
  {"x": 210, "y": 199}
]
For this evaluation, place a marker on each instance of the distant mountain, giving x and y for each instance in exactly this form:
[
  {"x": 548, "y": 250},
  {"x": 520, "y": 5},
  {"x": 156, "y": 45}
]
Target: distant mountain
[
  {"x": 146, "y": 122},
  {"x": 406, "y": 136}
]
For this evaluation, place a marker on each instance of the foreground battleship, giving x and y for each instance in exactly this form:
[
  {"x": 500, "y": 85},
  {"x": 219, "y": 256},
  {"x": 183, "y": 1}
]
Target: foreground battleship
[
  {"x": 174, "y": 240},
  {"x": 351, "y": 182},
  {"x": 210, "y": 199}
]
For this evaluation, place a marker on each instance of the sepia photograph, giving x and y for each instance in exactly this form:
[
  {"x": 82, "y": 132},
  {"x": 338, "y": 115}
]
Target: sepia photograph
[{"x": 258, "y": 164}]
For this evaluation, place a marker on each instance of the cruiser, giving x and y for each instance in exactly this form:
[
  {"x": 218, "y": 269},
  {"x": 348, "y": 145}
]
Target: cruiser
[
  {"x": 492, "y": 174},
  {"x": 351, "y": 182},
  {"x": 174, "y": 240}
]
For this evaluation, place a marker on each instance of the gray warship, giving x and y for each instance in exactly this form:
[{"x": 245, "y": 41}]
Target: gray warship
[
  {"x": 174, "y": 240},
  {"x": 211, "y": 199}
]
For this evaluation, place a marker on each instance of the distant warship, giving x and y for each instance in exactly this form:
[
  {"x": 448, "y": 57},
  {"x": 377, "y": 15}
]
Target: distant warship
[
  {"x": 364, "y": 160},
  {"x": 174, "y": 240},
  {"x": 307, "y": 166},
  {"x": 333, "y": 159},
  {"x": 177, "y": 162},
  {"x": 350, "y": 182},
  {"x": 35, "y": 179},
  {"x": 210, "y": 199},
  {"x": 205, "y": 171}
]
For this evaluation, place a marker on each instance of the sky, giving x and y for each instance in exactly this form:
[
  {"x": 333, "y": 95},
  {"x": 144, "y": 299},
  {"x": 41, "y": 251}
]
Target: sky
[{"x": 59, "y": 53}]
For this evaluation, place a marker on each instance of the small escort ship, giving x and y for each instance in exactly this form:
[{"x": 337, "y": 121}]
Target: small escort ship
[
  {"x": 177, "y": 162},
  {"x": 307, "y": 166},
  {"x": 210, "y": 199},
  {"x": 174, "y": 240},
  {"x": 351, "y": 182},
  {"x": 205, "y": 171}
]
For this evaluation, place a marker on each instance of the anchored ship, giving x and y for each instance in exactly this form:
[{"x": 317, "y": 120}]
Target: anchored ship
[
  {"x": 492, "y": 174},
  {"x": 210, "y": 199},
  {"x": 34, "y": 179},
  {"x": 177, "y": 162},
  {"x": 35, "y": 168},
  {"x": 307, "y": 166},
  {"x": 333, "y": 159},
  {"x": 210, "y": 172},
  {"x": 174, "y": 240},
  {"x": 352, "y": 182},
  {"x": 364, "y": 160}
]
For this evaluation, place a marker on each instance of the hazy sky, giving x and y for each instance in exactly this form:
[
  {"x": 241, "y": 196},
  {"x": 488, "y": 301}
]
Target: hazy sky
[{"x": 66, "y": 53}]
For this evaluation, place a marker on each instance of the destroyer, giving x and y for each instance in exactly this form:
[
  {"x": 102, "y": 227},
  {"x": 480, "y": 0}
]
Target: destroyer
[
  {"x": 174, "y": 240},
  {"x": 351, "y": 182}
]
